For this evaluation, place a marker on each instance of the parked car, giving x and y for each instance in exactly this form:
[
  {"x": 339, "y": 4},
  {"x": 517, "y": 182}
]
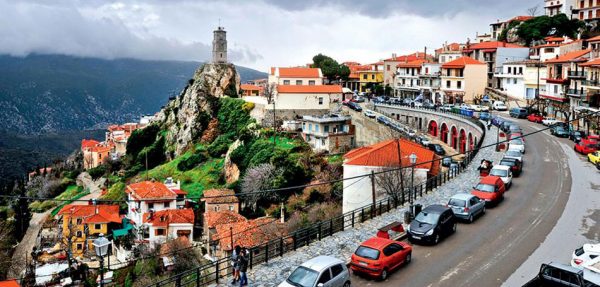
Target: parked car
[
  {"x": 383, "y": 119},
  {"x": 559, "y": 131},
  {"x": 423, "y": 140},
  {"x": 354, "y": 106},
  {"x": 594, "y": 157},
  {"x": 378, "y": 256},
  {"x": 436, "y": 148},
  {"x": 519, "y": 113},
  {"x": 370, "y": 114},
  {"x": 587, "y": 146},
  {"x": 548, "y": 121},
  {"x": 358, "y": 99},
  {"x": 411, "y": 133},
  {"x": 466, "y": 206},
  {"x": 431, "y": 224},
  {"x": 514, "y": 128},
  {"x": 395, "y": 101},
  {"x": 446, "y": 107},
  {"x": 536, "y": 118},
  {"x": 448, "y": 162},
  {"x": 504, "y": 173},
  {"x": 517, "y": 144},
  {"x": 476, "y": 108},
  {"x": 497, "y": 121},
  {"x": 506, "y": 125},
  {"x": 428, "y": 105},
  {"x": 416, "y": 104},
  {"x": 558, "y": 274},
  {"x": 491, "y": 189},
  {"x": 512, "y": 153},
  {"x": 499, "y": 106},
  {"x": 584, "y": 253},
  {"x": 576, "y": 135},
  {"x": 319, "y": 271},
  {"x": 516, "y": 135},
  {"x": 595, "y": 138},
  {"x": 484, "y": 116},
  {"x": 516, "y": 166}
]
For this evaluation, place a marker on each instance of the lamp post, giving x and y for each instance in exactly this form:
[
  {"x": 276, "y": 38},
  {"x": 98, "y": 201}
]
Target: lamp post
[
  {"x": 413, "y": 160},
  {"x": 101, "y": 248}
]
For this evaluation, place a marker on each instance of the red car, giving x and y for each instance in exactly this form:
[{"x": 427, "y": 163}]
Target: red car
[
  {"x": 491, "y": 189},
  {"x": 515, "y": 135},
  {"x": 536, "y": 118},
  {"x": 378, "y": 256},
  {"x": 586, "y": 146},
  {"x": 595, "y": 138}
]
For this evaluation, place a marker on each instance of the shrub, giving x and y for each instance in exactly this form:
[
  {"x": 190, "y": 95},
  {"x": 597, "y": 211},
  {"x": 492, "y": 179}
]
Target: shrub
[
  {"x": 220, "y": 145},
  {"x": 154, "y": 154},
  {"x": 191, "y": 162},
  {"x": 97, "y": 172},
  {"x": 140, "y": 139},
  {"x": 247, "y": 107},
  {"x": 315, "y": 196}
]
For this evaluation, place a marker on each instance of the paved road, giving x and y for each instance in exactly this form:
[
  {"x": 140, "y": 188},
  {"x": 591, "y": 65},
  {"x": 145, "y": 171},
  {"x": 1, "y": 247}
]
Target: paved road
[
  {"x": 94, "y": 187},
  {"x": 488, "y": 251},
  {"x": 22, "y": 252}
]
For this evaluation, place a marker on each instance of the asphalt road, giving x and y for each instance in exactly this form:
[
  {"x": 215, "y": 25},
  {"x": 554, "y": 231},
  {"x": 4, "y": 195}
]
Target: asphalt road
[{"x": 488, "y": 251}]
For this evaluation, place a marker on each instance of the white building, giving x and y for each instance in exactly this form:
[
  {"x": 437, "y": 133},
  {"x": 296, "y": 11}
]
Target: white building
[
  {"x": 520, "y": 79},
  {"x": 296, "y": 76},
  {"x": 555, "y": 7},
  {"x": 330, "y": 133},
  {"x": 378, "y": 157},
  {"x": 406, "y": 81},
  {"x": 303, "y": 97}
]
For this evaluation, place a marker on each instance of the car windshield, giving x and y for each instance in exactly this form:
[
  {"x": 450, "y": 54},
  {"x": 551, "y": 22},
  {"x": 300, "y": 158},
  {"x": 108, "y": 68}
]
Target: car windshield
[
  {"x": 427, "y": 217},
  {"x": 499, "y": 172},
  {"x": 457, "y": 202},
  {"x": 507, "y": 162},
  {"x": 367, "y": 252},
  {"x": 516, "y": 141},
  {"x": 485, "y": 187},
  {"x": 303, "y": 277},
  {"x": 559, "y": 129},
  {"x": 513, "y": 153}
]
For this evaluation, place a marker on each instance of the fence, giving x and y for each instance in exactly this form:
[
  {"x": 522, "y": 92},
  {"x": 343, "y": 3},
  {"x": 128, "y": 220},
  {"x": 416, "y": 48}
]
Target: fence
[{"x": 218, "y": 271}]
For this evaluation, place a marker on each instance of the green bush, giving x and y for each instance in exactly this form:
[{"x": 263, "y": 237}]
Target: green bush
[
  {"x": 191, "y": 162},
  {"x": 97, "y": 172},
  {"x": 220, "y": 145},
  {"x": 140, "y": 139},
  {"x": 153, "y": 155}
]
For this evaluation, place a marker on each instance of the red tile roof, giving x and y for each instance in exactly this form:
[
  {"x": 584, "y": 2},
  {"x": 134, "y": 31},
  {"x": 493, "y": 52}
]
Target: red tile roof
[
  {"x": 492, "y": 45},
  {"x": 150, "y": 190},
  {"x": 88, "y": 143},
  {"x": 166, "y": 217},
  {"x": 593, "y": 39},
  {"x": 570, "y": 57},
  {"x": 9, "y": 283},
  {"x": 385, "y": 154},
  {"x": 248, "y": 87},
  {"x": 410, "y": 57},
  {"x": 213, "y": 218},
  {"x": 298, "y": 72},
  {"x": 316, "y": 89},
  {"x": 93, "y": 213},
  {"x": 452, "y": 47},
  {"x": 224, "y": 196},
  {"x": 554, "y": 39},
  {"x": 412, "y": 64},
  {"x": 594, "y": 63},
  {"x": 462, "y": 62},
  {"x": 521, "y": 18},
  {"x": 246, "y": 233}
]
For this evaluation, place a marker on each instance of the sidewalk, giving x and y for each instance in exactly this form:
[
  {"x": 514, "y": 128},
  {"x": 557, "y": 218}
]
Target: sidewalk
[{"x": 22, "y": 252}]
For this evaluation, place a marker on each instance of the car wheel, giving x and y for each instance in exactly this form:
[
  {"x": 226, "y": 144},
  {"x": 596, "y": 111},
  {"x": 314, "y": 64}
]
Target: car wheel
[
  {"x": 471, "y": 218},
  {"x": 408, "y": 258},
  {"x": 347, "y": 284},
  {"x": 483, "y": 210},
  {"x": 436, "y": 239},
  {"x": 383, "y": 274},
  {"x": 454, "y": 228}
]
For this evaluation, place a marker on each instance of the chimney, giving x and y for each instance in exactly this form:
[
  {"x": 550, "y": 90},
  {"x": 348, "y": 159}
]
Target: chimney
[{"x": 393, "y": 56}]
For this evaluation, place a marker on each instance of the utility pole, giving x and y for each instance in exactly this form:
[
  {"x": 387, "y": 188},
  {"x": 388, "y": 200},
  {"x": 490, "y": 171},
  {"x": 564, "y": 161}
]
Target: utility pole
[
  {"x": 373, "y": 190},
  {"x": 274, "y": 126}
]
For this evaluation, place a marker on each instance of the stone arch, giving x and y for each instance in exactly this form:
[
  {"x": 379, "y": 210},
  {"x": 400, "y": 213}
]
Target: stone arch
[
  {"x": 462, "y": 141},
  {"x": 454, "y": 137},
  {"x": 444, "y": 133},
  {"x": 432, "y": 128},
  {"x": 471, "y": 142}
]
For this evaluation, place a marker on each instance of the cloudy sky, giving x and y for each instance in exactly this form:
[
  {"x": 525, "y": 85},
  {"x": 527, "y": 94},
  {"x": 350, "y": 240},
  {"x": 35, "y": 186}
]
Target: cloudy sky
[{"x": 261, "y": 33}]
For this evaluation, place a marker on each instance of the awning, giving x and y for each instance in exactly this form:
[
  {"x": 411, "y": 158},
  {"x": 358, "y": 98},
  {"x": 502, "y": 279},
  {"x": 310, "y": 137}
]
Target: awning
[{"x": 557, "y": 99}]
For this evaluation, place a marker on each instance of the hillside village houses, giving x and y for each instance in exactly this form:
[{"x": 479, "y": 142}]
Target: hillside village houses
[
  {"x": 329, "y": 133},
  {"x": 369, "y": 77},
  {"x": 463, "y": 79}
]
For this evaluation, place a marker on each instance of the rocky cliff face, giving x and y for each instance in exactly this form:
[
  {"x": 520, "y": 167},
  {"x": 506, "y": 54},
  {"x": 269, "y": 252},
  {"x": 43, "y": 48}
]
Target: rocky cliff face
[{"x": 188, "y": 115}]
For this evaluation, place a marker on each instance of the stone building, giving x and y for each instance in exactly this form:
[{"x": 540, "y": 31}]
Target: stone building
[{"x": 219, "y": 50}]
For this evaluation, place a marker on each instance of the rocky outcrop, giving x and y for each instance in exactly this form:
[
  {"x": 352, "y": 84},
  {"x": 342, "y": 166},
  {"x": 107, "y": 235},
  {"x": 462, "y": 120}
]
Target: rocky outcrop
[
  {"x": 186, "y": 117},
  {"x": 232, "y": 171}
]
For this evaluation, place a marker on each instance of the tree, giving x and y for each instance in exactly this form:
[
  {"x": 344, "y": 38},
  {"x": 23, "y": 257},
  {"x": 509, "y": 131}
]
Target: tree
[
  {"x": 344, "y": 72},
  {"x": 331, "y": 69},
  {"x": 258, "y": 178},
  {"x": 269, "y": 92},
  {"x": 392, "y": 182},
  {"x": 540, "y": 27},
  {"x": 533, "y": 11},
  {"x": 21, "y": 208}
]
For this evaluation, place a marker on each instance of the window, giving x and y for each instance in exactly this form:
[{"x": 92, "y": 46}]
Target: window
[
  {"x": 216, "y": 208},
  {"x": 590, "y": 14},
  {"x": 597, "y": 13},
  {"x": 326, "y": 129},
  {"x": 581, "y": 15},
  {"x": 459, "y": 84},
  {"x": 299, "y": 82},
  {"x": 426, "y": 70},
  {"x": 325, "y": 277},
  {"x": 509, "y": 70},
  {"x": 97, "y": 226},
  {"x": 555, "y": 89},
  {"x": 336, "y": 270},
  {"x": 581, "y": 4},
  {"x": 304, "y": 126},
  {"x": 387, "y": 67},
  {"x": 79, "y": 246},
  {"x": 317, "y": 128},
  {"x": 515, "y": 81},
  {"x": 320, "y": 101},
  {"x": 460, "y": 72},
  {"x": 591, "y": 3},
  {"x": 443, "y": 59},
  {"x": 310, "y": 127},
  {"x": 79, "y": 221},
  {"x": 373, "y": 77},
  {"x": 448, "y": 84},
  {"x": 231, "y": 208},
  {"x": 159, "y": 232},
  {"x": 448, "y": 73},
  {"x": 167, "y": 205},
  {"x": 286, "y": 82},
  {"x": 79, "y": 233},
  {"x": 520, "y": 70},
  {"x": 352, "y": 141},
  {"x": 364, "y": 76},
  {"x": 311, "y": 82},
  {"x": 322, "y": 142},
  {"x": 150, "y": 205},
  {"x": 391, "y": 249}
]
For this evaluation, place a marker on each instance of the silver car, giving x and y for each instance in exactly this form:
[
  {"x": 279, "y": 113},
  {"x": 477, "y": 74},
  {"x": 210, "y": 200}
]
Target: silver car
[
  {"x": 321, "y": 271},
  {"x": 513, "y": 153},
  {"x": 466, "y": 206}
]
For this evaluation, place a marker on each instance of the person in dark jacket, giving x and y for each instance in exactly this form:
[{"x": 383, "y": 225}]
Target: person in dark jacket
[
  {"x": 243, "y": 265},
  {"x": 235, "y": 263}
]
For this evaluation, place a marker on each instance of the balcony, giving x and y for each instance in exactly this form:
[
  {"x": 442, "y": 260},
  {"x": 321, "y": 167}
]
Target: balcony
[
  {"x": 556, "y": 80},
  {"x": 590, "y": 83},
  {"x": 431, "y": 75},
  {"x": 577, "y": 74},
  {"x": 578, "y": 93}
]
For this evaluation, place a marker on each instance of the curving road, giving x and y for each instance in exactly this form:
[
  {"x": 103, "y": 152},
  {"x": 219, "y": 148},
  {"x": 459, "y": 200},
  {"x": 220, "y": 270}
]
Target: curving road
[{"x": 488, "y": 251}]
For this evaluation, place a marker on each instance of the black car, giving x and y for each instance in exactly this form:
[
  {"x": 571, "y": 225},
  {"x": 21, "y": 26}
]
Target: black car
[
  {"x": 519, "y": 113},
  {"x": 431, "y": 224},
  {"x": 437, "y": 149},
  {"x": 428, "y": 105},
  {"x": 516, "y": 166},
  {"x": 506, "y": 125},
  {"x": 576, "y": 135},
  {"x": 514, "y": 128},
  {"x": 558, "y": 274},
  {"x": 354, "y": 106}
]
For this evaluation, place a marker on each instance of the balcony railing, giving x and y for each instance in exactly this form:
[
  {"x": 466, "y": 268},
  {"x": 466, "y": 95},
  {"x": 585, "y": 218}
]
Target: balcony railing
[
  {"x": 577, "y": 74},
  {"x": 576, "y": 92},
  {"x": 590, "y": 82}
]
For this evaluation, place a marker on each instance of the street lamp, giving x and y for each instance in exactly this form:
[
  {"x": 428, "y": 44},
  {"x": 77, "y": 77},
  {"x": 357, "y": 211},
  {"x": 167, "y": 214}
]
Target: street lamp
[
  {"x": 101, "y": 248},
  {"x": 413, "y": 160}
]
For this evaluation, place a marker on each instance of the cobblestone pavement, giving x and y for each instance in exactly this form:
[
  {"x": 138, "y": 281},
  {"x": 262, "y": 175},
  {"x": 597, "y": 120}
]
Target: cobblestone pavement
[{"x": 341, "y": 245}]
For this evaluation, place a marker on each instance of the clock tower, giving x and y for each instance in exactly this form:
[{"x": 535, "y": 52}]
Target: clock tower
[{"x": 219, "y": 49}]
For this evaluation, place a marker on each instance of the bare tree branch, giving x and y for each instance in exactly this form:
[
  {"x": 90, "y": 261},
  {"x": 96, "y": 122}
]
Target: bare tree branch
[{"x": 533, "y": 11}]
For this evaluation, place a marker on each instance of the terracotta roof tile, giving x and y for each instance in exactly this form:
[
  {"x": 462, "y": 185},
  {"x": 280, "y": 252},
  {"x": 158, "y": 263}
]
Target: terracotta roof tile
[
  {"x": 9, "y": 283},
  {"x": 493, "y": 45},
  {"x": 462, "y": 62},
  {"x": 224, "y": 196},
  {"x": 410, "y": 57},
  {"x": 579, "y": 55},
  {"x": 170, "y": 216},
  {"x": 247, "y": 87},
  {"x": 316, "y": 89},
  {"x": 150, "y": 190},
  {"x": 299, "y": 72},
  {"x": 213, "y": 218},
  {"x": 385, "y": 154},
  {"x": 412, "y": 64},
  {"x": 591, "y": 63},
  {"x": 88, "y": 143},
  {"x": 93, "y": 213},
  {"x": 593, "y": 39},
  {"x": 246, "y": 233}
]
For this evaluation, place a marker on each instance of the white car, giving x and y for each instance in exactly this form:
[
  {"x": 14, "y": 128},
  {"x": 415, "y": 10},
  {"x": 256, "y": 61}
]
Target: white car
[
  {"x": 516, "y": 144},
  {"x": 465, "y": 106},
  {"x": 370, "y": 114},
  {"x": 319, "y": 271},
  {"x": 585, "y": 253},
  {"x": 504, "y": 173},
  {"x": 499, "y": 106},
  {"x": 513, "y": 153},
  {"x": 476, "y": 108},
  {"x": 548, "y": 121},
  {"x": 417, "y": 104}
]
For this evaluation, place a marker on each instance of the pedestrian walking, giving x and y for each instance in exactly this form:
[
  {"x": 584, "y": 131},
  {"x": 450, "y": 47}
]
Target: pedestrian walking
[
  {"x": 243, "y": 264},
  {"x": 235, "y": 263}
]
